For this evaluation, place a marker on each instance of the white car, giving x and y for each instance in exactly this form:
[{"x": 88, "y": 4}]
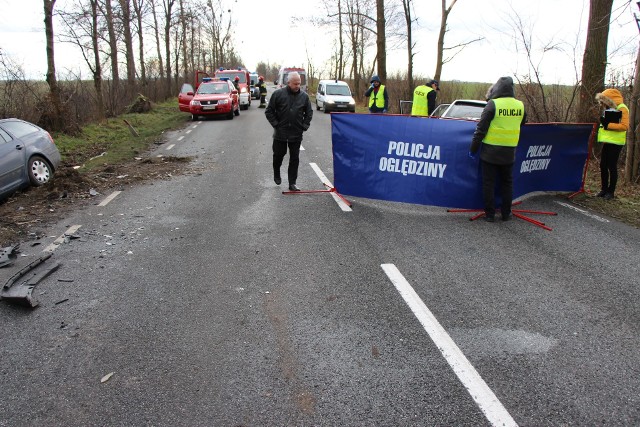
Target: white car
[
  {"x": 334, "y": 95},
  {"x": 468, "y": 109}
]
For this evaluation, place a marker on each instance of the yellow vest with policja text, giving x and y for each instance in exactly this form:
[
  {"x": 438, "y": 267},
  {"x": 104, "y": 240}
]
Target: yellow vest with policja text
[
  {"x": 504, "y": 129},
  {"x": 420, "y": 106}
]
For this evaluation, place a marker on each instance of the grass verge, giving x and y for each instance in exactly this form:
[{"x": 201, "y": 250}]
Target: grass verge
[{"x": 114, "y": 138}]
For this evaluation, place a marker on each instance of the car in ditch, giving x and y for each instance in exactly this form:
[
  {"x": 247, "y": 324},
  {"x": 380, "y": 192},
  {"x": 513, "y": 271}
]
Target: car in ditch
[
  {"x": 215, "y": 97},
  {"x": 28, "y": 156},
  {"x": 468, "y": 109}
]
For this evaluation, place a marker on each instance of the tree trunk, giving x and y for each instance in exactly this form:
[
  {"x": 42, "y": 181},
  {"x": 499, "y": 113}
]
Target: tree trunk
[
  {"x": 594, "y": 62},
  {"x": 168, "y": 5},
  {"x": 632, "y": 161},
  {"x": 406, "y": 5},
  {"x": 380, "y": 40},
  {"x": 157, "y": 33},
  {"x": 443, "y": 30},
  {"x": 113, "y": 45},
  {"x": 57, "y": 119},
  {"x": 128, "y": 42},
  {"x": 97, "y": 70},
  {"x": 183, "y": 25},
  {"x": 341, "y": 65},
  {"x": 137, "y": 7}
]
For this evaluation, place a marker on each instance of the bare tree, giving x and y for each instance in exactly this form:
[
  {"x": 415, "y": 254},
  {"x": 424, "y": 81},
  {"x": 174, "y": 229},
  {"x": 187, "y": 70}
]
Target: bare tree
[
  {"x": 407, "y": 5},
  {"x": 167, "y": 6},
  {"x": 156, "y": 30},
  {"x": 139, "y": 9},
  {"x": 125, "y": 6},
  {"x": 113, "y": 43},
  {"x": 632, "y": 162},
  {"x": 381, "y": 40},
  {"x": 82, "y": 29},
  {"x": 56, "y": 116},
  {"x": 440, "y": 60},
  {"x": 594, "y": 62},
  {"x": 183, "y": 26}
]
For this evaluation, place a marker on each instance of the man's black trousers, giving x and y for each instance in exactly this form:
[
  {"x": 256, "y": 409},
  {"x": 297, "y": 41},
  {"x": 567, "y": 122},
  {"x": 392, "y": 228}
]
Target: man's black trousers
[
  {"x": 490, "y": 172},
  {"x": 279, "y": 151}
]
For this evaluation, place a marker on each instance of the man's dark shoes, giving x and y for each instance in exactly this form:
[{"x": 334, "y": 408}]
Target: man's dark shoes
[
  {"x": 608, "y": 196},
  {"x": 490, "y": 218},
  {"x": 293, "y": 187},
  {"x": 507, "y": 217},
  {"x": 277, "y": 179},
  {"x": 601, "y": 193}
]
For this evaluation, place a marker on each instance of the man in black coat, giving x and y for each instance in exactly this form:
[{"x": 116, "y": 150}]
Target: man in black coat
[{"x": 289, "y": 112}]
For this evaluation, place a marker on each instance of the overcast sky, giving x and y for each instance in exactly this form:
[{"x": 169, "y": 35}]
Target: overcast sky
[{"x": 278, "y": 32}]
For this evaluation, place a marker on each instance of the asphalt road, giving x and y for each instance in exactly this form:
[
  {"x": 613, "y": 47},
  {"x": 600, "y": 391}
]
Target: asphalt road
[{"x": 215, "y": 300}]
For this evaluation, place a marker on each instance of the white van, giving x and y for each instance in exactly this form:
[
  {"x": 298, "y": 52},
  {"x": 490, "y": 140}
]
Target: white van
[
  {"x": 283, "y": 77},
  {"x": 334, "y": 95}
]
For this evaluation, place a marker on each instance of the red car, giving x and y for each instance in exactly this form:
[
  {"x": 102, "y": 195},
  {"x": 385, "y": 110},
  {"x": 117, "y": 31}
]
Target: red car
[{"x": 213, "y": 97}]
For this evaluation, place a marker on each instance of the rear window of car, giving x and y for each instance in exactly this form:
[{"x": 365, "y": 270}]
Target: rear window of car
[
  {"x": 19, "y": 129},
  {"x": 464, "y": 110}
]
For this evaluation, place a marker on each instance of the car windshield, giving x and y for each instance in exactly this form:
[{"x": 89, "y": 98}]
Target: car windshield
[
  {"x": 338, "y": 90},
  {"x": 213, "y": 88},
  {"x": 232, "y": 75},
  {"x": 465, "y": 111}
]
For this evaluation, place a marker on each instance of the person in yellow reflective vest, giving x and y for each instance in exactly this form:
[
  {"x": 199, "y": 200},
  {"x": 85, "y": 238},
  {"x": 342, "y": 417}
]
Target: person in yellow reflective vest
[
  {"x": 613, "y": 137},
  {"x": 378, "y": 96},
  {"x": 498, "y": 133},
  {"x": 424, "y": 98}
]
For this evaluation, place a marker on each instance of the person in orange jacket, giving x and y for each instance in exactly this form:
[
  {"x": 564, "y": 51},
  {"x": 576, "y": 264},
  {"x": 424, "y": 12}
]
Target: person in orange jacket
[{"x": 613, "y": 137}]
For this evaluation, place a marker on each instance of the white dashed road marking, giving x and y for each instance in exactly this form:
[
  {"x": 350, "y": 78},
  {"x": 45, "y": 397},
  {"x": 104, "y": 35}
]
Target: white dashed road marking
[
  {"x": 467, "y": 374},
  {"x": 583, "y": 212},
  {"x": 170, "y": 147},
  {"x": 326, "y": 181},
  {"x": 109, "y": 198},
  {"x": 181, "y": 138},
  {"x": 52, "y": 247}
]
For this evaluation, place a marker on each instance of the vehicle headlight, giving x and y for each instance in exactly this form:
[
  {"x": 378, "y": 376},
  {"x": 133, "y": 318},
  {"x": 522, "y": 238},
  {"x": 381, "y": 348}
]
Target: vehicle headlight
[
  {"x": 243, "y": 90},
  {"x": 223, "y": 101},
  {"x": 352, "y": 102},
  {"x": 330, "y": 101},
  {"x": 195, "y": 103}
]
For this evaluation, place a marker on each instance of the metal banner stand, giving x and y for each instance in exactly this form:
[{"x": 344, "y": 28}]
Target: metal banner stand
[
  {"x": 329, "y": 189},
  {"x": 517, "y": 213}
]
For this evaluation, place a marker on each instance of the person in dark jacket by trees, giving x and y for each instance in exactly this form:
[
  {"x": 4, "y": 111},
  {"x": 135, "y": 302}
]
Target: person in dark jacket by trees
[
  {"x": 289, "y": 112},
  {"x": 498, "y": 132}
]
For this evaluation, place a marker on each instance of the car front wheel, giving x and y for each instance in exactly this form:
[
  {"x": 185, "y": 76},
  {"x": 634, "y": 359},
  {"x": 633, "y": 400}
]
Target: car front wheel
[
  {"x": 317, "y": 106},
  {"x": 40, "y": 171}
]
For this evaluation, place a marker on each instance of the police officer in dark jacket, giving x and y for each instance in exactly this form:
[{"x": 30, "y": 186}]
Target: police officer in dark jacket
[
  {"x": 289, "y": 112},
  {"x": 498, "y": 132}
]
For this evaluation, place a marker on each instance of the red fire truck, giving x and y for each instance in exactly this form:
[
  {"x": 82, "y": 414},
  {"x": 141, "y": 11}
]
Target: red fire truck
[{"x": 244, "y": 84}]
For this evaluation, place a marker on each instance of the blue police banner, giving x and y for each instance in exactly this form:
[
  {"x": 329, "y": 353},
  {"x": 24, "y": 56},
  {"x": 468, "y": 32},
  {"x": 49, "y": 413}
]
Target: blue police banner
[{"x": 425, "y": 161}]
